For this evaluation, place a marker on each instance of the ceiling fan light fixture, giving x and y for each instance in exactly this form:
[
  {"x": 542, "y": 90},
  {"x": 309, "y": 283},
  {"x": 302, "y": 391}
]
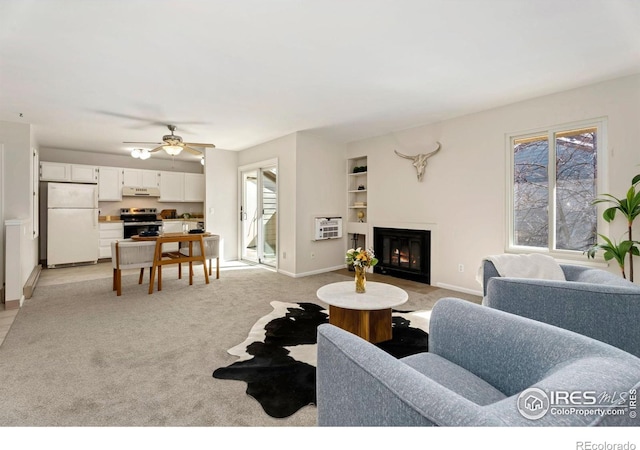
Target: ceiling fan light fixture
[
  {"x": 144, "y": 154},
  {"x": 173, "y": 150},
  {"x": 136, "y": 152}
]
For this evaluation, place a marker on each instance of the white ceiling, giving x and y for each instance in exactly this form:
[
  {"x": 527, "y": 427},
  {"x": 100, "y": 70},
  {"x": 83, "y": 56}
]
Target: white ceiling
[{"x": 90, "y": 74}]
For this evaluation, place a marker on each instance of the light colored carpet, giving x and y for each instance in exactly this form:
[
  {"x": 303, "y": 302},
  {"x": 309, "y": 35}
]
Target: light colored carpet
[{"x": 78, "y": 355}]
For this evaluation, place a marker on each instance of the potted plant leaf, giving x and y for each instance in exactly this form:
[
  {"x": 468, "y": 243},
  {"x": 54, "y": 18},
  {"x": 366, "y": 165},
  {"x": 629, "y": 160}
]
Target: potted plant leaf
[
  {"x": 614, "y": 250},
  {"x": 629, "y": 207}
]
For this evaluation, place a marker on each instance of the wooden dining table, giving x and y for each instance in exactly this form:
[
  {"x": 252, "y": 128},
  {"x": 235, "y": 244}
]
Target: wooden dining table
[{"x": 162, "y": 258}]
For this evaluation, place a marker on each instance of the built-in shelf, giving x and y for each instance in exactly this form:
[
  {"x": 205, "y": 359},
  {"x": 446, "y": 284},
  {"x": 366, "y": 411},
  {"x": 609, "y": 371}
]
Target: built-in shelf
[{"x": 356, "y": 226}]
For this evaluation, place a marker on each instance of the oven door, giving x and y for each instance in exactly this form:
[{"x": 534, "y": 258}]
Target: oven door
[{"x": 134, "y": 229}]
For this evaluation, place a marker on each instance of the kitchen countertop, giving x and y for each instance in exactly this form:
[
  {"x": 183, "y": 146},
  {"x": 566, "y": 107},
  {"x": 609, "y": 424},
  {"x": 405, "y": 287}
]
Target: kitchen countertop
[{"x": 116, "y": 219}]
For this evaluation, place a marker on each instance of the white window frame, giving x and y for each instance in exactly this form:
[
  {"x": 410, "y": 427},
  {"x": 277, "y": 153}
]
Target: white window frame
[{"x": 601, "y": 186}]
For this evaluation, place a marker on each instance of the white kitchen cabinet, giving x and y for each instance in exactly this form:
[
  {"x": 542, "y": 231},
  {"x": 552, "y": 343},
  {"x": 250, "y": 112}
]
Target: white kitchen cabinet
[
  {"x": 140, "y": 178},
  {"x": 76, "y": 173},
  {"x": 81, "y": 173},
  {"x": 181, "y": 187},
  {"x": 109, "y": 232},
  {"x": 150, "y": 178},
  {"x": 171, "y": 187},
  {"x": 109, "y": 184},
  {"x": 194, "y": 187},
  {"x": 50, "y": 171}
]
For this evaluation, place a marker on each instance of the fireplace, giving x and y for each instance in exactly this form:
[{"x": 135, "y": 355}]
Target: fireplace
[{"x": 403, "y": 253}]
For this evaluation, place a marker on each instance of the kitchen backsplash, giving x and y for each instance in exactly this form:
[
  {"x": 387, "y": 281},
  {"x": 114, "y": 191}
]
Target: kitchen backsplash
[{"x": 113, "y": 208}]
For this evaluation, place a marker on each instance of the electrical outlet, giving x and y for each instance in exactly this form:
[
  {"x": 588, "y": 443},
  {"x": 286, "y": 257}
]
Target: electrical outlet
[
  {"x": 460, "y": 267},
  {"x": 284, "y": 255}
]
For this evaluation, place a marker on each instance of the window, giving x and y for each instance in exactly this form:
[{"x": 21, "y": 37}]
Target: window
[{"x": 553, "y": 181}]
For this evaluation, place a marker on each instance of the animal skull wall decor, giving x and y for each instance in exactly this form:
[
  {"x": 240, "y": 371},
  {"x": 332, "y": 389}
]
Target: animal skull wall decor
[{"x": 420, "y": 160}]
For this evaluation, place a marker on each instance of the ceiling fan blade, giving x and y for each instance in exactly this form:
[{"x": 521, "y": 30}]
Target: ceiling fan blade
[
  {"x": 147, "y": 121},
  {"x": 157, "y": 149},
  {"x": 124, "y": 116},
  {"x": 145, "y": 143},
  {"x": 193, "y": 151},
  {"x": 194, "y": 144}
]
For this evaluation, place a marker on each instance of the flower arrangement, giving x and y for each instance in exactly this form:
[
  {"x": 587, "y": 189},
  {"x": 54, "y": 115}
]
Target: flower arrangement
[{"x": 360, "y": 257}]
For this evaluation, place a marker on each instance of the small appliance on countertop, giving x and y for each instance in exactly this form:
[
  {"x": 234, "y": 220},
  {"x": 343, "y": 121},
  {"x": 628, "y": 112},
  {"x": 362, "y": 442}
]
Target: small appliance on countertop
[{"x": 168, "y": 214}]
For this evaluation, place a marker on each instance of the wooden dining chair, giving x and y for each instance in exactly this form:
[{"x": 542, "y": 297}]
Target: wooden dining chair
[
  {"x": 130, "y": 254},
  {"x": 211, "y": 251}
]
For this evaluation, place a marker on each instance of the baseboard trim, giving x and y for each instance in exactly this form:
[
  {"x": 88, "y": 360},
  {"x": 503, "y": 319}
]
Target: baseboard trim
[
  {"x": 313, "y": 272},
  {"x": 14, "y": 304},
  {"x": 452, "y": 287},
  {"x": 32, "y": 281}
]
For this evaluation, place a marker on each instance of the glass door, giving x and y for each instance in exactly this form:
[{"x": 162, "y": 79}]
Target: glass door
[
  {"x": 269, "y": 184},
  {"x": 258, "y": 215},
  {"x": 249, "y": 216}
]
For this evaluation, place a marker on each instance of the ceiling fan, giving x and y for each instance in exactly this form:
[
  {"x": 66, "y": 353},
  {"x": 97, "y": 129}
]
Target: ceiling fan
[{"x": 173, "y": 145}]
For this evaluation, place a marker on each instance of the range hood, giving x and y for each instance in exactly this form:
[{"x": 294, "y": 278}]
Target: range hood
[{"x": 129, "y": 191}]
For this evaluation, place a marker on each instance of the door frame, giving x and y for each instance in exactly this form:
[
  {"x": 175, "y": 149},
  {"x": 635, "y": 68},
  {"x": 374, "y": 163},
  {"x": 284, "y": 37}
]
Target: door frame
[{"x": 257, "y": 166}]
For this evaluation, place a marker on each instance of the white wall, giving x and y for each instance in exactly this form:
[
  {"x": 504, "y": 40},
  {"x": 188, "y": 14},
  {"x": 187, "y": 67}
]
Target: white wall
[
  {"x": 311, "y": 181},
  {"x": 113, "y": 208},
  {"x": 221, "y": 203},
  {"x": 284, "y": 149},
  {"x": 2, "y": 228},
  {"x": 18, "y": 142},
  {"x": 464, "y": 187},
  {"x": 321, "y": 191}
]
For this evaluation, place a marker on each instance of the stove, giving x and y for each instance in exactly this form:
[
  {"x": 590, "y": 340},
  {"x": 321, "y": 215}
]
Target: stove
[{"x": 140, "y": 220}]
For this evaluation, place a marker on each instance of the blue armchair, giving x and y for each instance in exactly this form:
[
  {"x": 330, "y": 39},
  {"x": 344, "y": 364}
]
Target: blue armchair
[
  {"x": 591, "y": 301},
  {"x": 480, "y": 361}
]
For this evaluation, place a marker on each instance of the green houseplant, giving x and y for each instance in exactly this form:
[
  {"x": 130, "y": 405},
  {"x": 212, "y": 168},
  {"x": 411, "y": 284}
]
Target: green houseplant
[
  {"x": 615, "y": 250},
  {"x": 629, "y": 207}
]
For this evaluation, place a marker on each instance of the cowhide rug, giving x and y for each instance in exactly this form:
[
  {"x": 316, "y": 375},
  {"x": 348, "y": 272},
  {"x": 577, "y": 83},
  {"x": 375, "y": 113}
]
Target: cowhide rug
[{"x": 278, "y": 358}]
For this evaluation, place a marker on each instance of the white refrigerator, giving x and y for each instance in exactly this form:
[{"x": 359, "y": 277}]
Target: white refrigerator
[{"x": 72, "y": 223}]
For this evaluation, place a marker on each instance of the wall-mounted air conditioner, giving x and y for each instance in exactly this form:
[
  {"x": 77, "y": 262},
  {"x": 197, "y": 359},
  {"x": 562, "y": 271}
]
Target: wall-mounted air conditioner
[{"x": 327, "y": 228}]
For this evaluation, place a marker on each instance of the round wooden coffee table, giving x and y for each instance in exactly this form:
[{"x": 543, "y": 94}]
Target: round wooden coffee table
[{"x": 367, "y": 315}]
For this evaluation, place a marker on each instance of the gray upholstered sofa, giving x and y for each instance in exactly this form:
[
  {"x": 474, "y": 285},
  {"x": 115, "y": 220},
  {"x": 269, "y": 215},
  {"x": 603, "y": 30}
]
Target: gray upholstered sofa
[
  {"x": 480, "y": 361},
  {"x": 592, "y": 302}
]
